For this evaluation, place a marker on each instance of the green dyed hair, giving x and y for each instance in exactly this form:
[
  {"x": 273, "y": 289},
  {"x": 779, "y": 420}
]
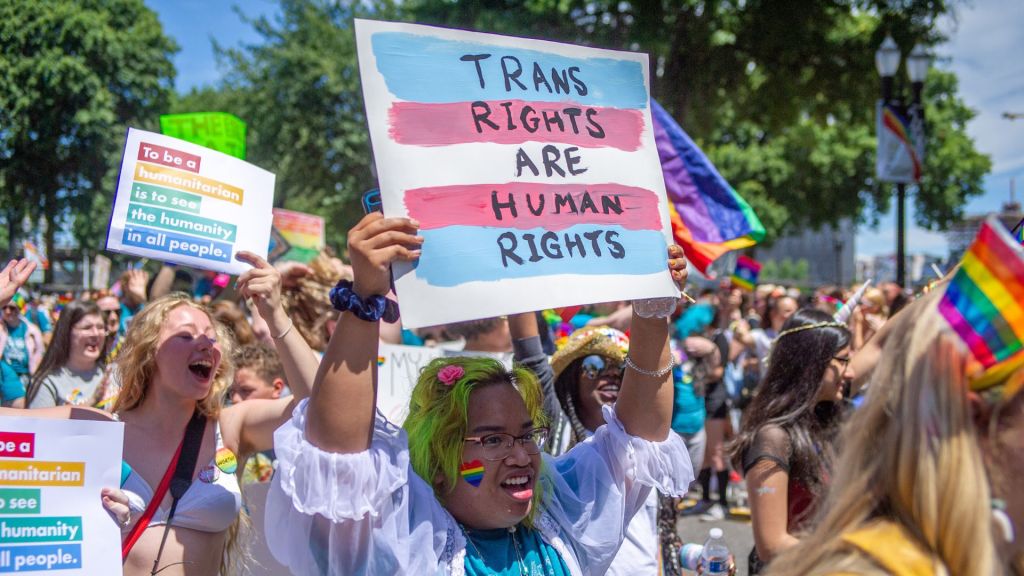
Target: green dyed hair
[{"x": 438, "y": 415}]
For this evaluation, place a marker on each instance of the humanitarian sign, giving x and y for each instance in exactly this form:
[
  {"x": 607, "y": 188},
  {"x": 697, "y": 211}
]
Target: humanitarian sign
[
  {"x": 530, "y": 165},
  {"x": 52, "y": 519},
  {"x": 216, "y": 130},
  {"x": 179, "y": 202},
  {"x": 303, "y": 235}
]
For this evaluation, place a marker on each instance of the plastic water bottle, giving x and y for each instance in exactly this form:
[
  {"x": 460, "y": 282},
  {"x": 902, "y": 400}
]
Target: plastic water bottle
[
  {"x": 689, "y": 556},
  {"x": 715, "y": 556}
]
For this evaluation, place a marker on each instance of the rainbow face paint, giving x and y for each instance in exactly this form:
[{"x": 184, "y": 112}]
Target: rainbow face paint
[{"x": 472, "y": 472}]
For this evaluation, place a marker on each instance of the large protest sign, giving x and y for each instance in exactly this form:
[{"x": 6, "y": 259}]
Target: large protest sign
[
  {"x": 299, "y": 236},
  {"x": 530, "y": 165},
  {"x": 51, "y": 517},
  {"x": 179, "y": 202},
  {"x": 216, "y": 130}
]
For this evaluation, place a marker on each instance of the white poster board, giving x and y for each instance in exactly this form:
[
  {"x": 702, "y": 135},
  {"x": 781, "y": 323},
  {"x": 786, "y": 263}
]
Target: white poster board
[
  {"x": 530, "y": 165},
  {"x": 52, "y": 520},
  {"x": 179, "y": 202},
  {"x": 398, "y": 368}
]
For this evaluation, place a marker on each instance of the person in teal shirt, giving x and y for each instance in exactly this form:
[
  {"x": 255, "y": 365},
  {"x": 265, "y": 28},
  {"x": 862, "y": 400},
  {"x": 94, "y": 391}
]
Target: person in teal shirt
[{"x": 12, "y": 391}]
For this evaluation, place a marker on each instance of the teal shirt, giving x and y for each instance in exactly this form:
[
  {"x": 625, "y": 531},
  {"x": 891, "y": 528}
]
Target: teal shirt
[
  {"x": 492, "y": 552},
  {"x": 15, "y": 352},
  {"x": 11, "y": 387}
]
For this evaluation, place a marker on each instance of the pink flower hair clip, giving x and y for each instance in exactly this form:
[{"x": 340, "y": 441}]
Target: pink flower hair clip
[{"x": 450, "y": 374}]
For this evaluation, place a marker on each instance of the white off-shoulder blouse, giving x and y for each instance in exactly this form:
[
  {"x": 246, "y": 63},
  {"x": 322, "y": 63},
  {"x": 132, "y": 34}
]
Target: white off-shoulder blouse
[{"x": 369, "y": 513}]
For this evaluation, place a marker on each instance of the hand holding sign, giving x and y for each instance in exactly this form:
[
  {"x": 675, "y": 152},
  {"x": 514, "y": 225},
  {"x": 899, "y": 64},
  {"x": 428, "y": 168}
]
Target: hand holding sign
[
  {"x": 374, "y": 244},
  {"x": 14, "y": 276}
]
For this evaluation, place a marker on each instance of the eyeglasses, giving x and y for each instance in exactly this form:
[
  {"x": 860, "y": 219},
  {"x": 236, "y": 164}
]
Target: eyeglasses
[
  {"x": 498, "y": 446},
  {"x": 594, "y": 366},
  {"x": 843, "y": 361}
]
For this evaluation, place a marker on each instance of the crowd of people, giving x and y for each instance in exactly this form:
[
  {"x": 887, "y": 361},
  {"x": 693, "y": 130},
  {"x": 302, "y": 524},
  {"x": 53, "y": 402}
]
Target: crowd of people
[{"x": 854, "y": 445}]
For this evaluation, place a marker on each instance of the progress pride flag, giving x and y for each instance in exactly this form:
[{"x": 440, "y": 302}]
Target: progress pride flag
[{"x": 530, "y": 165}]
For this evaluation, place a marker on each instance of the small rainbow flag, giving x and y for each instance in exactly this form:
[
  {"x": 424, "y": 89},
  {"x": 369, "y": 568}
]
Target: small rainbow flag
[
  {"x": 984, "y": 303},
  {"x": 472, "y": 472},
  {"x": 747, "y": 271},
  {"x": 708, "y": 217},
  {"x": 380, "y": 360}
]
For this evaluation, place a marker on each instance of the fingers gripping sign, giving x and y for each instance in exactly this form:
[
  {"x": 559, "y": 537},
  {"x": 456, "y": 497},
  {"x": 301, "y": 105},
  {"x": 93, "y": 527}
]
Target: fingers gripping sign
[{"x": 374, "y": 244}]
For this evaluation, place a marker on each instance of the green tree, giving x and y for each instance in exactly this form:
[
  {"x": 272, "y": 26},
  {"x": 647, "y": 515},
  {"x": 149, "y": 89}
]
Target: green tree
[
  {"x": 299, "y": 92},
  {"x": 780, "y": 95},
  {"x": 73, "y": 75}
]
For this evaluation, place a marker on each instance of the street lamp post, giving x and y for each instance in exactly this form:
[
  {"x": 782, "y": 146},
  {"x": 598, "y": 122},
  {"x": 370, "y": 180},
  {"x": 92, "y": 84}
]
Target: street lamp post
[{"x": 887, "y": 62}]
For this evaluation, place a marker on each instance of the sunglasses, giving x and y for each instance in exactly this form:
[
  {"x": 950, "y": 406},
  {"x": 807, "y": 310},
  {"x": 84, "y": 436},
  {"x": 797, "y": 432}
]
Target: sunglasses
[
  {"x": 10, "y": 308},
  {"x": 595, "y": 366}
]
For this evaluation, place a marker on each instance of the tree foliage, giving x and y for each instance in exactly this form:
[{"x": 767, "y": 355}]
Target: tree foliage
[
  {"x": 779, "y": 94},
  {"x": 73, "y": 75}
]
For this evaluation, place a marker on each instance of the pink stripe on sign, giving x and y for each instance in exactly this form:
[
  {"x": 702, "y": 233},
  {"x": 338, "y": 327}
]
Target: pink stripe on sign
[
  {"x": 526, "y": 205},
  {"x": 515, "y": 122}
]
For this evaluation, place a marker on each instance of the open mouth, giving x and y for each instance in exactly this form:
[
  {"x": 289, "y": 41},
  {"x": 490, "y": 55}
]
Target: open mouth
[
  {"x": 519, "y": 487},
  {"x": 608, "y": 393},
  {"x": 201, "y": 368}
]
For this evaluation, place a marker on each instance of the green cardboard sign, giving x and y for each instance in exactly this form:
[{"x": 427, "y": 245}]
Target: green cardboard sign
[{"x": 216, "y": 130}]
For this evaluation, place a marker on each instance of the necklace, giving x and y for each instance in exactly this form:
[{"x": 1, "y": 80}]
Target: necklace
[{"x": 523, "y": 569}]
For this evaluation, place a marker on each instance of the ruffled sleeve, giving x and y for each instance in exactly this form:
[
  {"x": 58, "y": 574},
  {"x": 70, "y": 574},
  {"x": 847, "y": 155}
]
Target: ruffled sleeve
[
  {"x": 362, "y": 513},
  {"x": 595, "y": 489}
]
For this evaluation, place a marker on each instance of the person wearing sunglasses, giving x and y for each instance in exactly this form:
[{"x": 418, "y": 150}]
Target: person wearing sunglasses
[
  {"x": 785, "y": 444},
  {"x": 13, "y": 276},
  {"x": 463, "y": 486}
]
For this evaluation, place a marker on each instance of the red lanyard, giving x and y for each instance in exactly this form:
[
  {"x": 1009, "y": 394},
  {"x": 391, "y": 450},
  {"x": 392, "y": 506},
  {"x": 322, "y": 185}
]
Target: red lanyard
[{"x": 158, "y": 497}]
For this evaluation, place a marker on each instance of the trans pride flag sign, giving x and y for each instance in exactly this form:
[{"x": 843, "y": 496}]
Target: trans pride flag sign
[{"x": 530, "y": 165}]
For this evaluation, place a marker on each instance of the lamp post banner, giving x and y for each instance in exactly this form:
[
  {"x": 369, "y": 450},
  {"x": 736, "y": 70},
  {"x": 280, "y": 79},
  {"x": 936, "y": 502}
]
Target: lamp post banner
[{"x": 898, "y": 158}]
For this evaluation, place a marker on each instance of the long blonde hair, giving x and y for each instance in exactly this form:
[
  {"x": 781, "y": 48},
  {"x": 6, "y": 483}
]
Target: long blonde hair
[
  {"x": 910, "y": 455},
  {"x": 136, "y": 361}
]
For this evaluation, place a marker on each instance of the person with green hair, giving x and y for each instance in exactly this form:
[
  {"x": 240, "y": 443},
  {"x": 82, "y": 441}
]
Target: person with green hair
[{"x": 463, "y": 487}]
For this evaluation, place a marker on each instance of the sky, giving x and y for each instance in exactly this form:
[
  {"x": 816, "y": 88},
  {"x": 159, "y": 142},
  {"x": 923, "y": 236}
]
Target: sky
[{"x": 983, "y": 37}]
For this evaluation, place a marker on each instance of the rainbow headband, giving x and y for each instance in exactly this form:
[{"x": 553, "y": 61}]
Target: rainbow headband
[{"x": 984, "y": 305}]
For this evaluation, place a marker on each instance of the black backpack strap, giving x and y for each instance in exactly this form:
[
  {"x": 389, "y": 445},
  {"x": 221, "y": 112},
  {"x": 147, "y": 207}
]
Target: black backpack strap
[
  {"x": 183, "y": 471},
  {"x": 182, "y": 478}
]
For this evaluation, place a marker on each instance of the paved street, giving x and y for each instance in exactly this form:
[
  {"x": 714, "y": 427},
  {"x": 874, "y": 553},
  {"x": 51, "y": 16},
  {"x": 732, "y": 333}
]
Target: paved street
[{"x": 737, "y": 536}]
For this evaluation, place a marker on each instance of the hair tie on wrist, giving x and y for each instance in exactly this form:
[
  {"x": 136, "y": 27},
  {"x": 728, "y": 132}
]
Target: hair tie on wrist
[{"x": 371, "y": 309}]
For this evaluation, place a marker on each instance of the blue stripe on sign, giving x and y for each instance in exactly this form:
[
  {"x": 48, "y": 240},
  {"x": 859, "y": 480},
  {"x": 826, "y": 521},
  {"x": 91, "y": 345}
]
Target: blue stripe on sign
[
  {"x": 458, "y": 254},
  {"x": 182, "y": 244},
  {"x": 428, "y": 69},
  {"x": 39, "y": 557}
]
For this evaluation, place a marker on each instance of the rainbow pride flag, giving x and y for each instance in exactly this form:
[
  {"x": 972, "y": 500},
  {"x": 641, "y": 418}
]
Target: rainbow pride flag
[
  {"x": 984, "y": 303},
  {"x": 746, "y": 273},
  {"x": 708, "y": 217},
  {"x": 1018, "y": 231}
]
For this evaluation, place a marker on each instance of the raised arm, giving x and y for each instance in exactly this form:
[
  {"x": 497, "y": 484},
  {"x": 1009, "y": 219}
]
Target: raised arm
[
  {"x": 341, "y": 410},
  {"x": 262, "y": 286},
  {"x": 14, "y": 276},
  {"x": 251, "y": 424},
  {"x": 645, "y": 401}
]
